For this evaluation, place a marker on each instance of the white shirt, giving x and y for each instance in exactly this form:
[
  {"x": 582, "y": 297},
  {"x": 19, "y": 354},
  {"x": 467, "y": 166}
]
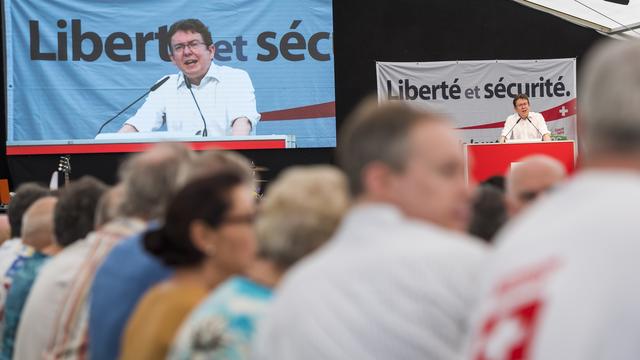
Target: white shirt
[
  {"x": 384, "y": 287},
  {"x": 525, "y": 129},
  {"x": 563, "y": 283},
  {"x": 224, "y": 94},
  {"x": 47, "y": 296}
]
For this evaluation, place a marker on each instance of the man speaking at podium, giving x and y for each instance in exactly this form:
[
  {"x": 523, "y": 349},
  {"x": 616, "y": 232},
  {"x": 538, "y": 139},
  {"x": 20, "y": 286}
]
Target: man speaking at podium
[
  {"x": 524, "y": 124},
  {"x": 204, "y": 99}
]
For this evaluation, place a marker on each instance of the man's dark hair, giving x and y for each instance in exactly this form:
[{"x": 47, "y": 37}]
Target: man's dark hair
[
  {"x": 207, "y": 199},
  {"x": 74, "y": 215},
  {"x": 519, "y": 97},
  {"x": 189, "y": 25},
  {"x": 489, "y": 212},
  {"x": 25, "y": 196}
]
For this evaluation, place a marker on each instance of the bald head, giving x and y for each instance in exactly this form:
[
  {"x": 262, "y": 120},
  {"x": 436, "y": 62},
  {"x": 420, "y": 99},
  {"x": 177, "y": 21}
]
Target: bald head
[
  {"x": 531, "y": 177},
  {"x": 37, "y": 223}
]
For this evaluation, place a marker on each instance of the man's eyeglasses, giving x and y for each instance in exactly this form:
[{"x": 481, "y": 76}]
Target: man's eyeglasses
[{"x": 193, "y": 45}]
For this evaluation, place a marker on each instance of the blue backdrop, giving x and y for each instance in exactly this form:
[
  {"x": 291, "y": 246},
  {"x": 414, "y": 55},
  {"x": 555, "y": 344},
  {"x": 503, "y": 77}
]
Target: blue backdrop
[{"x": 72, "y": 64}]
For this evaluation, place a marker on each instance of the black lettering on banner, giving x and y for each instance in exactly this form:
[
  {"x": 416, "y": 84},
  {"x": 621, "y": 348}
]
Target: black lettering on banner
[
  {"x": 119, "y": 46},
  {"x": 34, "y": 43},
  {"x": 299, "y": 43},
  {"x": 313, "y": 46},
  {"x": 141, "y": 44},
  {"x": 62, "y": 41},
  {"x": 488, "y": 92},
  {"x": 163, "y": 43},
  {"x": 111, "y": 46},
  {"x": 455, "y": 90},
  {"x": 78, "y": 37},
  {"x": 239, "y": 44},
  {"x": 410, "y": 91},
  {"x": 223, "y": 48},
  {"x": 500, "y": 89},
  {"x": 468, "y": 93},
  {"x": 272, "y": 50}
]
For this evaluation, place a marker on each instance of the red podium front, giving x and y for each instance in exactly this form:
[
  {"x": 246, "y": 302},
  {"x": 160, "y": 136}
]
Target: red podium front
[{"x": 485, "y": 160}]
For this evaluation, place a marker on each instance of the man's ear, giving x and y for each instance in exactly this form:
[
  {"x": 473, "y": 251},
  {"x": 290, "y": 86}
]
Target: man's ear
[{"x": 377, "y": 179}]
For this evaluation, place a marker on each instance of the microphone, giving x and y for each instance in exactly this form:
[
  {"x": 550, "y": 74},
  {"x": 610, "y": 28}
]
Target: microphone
[
  {"x": 530, "y": 122},
  {"x": 514, "y": 125},
  {"x": 153, "y": 88},
  {"x": 188, "y": 83}
]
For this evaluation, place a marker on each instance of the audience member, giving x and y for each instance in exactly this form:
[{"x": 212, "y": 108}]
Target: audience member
[
  {"x": 394, "y": 282},
  {"x": 148, "y": 180},
  {"x": 5, "y": 228},
  {"x": 299, "y": 213},
  {"x": 37, "y": 232},
  {"x": 489, "y": 212},
  {"x": 74, "y": 216},
  {"x": 207, "y": 237},
  {"x": 129, "y": 271},
  {"x": 12, "y": 251},
  {"x": 562, "y": 283},
  {"x": 533, "y": 176}
]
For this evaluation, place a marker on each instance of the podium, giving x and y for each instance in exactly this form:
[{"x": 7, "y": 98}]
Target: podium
[
  {"x": 483, "y": 161},
  {"x": 136, "y": 142}
]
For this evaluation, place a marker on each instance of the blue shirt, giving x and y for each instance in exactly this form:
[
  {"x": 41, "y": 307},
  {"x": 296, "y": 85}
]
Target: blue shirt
[
  {"x": 23, "y": 279},
  {"x": 125, "y": 275},
  {"x": 222, "y": 326}
]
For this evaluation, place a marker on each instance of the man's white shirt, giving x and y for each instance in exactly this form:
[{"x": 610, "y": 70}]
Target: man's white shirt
[
  {"x": 384, "y": 287},
  {"x": 224, "y": 94},
  {"x": 525, "y": 130},
  {"x": 563, "y": 281}
]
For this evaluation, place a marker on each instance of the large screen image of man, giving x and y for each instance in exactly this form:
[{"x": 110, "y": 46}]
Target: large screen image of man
[
  {"x": 226, "y": 105},
  {"x": 230, "y": 71}
]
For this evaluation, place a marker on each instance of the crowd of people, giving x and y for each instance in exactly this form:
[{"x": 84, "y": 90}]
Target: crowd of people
[{"x": 391, "y": 255}]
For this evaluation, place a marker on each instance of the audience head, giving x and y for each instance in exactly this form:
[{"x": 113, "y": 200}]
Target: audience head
[
  {"x": 109, "y": 205},
  {"x": 211, "y": 162},
  {"x": 37, "y": 224},
  {"x": 300, "y": 211},
  {"x": 412, "y": 159},
  {"x": 25, "y": 196},
  {"x": 610, "y": 101},
  {"x": 5, "y": 228},
  {"x": 496, "y": 181},
  {"x": 210, "y": 219},
  {"x": 151, "y": 179},
  {"x": 489, "y": 212},
  {"x": 75, "y": 211},
  {"x": 533, "y": 176}
]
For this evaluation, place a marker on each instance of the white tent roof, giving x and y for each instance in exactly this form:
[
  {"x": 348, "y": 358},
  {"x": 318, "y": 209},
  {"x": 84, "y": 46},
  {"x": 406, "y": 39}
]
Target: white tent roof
[{"x": 605, "y": 17}]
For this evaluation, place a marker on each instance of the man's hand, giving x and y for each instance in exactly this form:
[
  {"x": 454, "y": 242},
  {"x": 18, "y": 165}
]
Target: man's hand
[
  {"x": 241, "y": 126},
  {"x": 502, "y": 139},
  {"x": 126, "y": 128},
  {"x": 546, "y": 137}
]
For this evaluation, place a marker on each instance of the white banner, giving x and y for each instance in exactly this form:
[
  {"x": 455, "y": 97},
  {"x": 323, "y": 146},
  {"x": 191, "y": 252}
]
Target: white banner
[{"x": 477, "y": 95}]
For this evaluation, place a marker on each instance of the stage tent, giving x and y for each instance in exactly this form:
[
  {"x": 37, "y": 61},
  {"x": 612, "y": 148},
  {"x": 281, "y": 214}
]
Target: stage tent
[{"x": 609, "y": 18}]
